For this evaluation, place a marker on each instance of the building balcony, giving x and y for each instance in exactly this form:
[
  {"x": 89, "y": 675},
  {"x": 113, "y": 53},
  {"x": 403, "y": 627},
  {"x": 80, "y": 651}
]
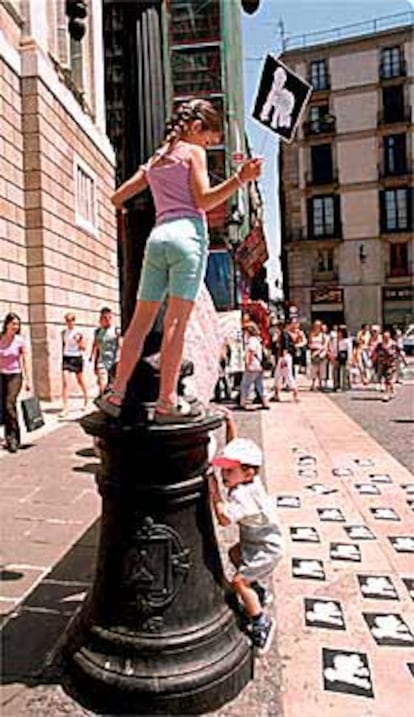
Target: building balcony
[
  {"x": 326, "y": 276},
  {"x": 326, "y": 126},
  {"x": 313, "y": 179},
  {"x": 393, "y": 116},
  {"x": 387, "y": 73},
  {"x": 396, "y": 177},
  {"x": 323, "y": 86},
  {"x": 300, "y": 235}
]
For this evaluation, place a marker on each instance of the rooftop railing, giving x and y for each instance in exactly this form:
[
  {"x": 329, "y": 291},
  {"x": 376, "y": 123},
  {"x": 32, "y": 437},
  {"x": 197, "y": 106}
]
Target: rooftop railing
[{"x": 368, "y": 27}]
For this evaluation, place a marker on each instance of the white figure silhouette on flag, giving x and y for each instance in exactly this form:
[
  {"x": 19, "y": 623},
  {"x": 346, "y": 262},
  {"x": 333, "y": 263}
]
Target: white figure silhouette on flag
[{"x": 279, "y": 101}]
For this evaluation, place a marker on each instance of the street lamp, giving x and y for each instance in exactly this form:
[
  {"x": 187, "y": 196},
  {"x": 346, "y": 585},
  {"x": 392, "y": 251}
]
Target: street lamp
[
  {"x": 77, "y": 12},
  {"x": 250, "y": 6}
]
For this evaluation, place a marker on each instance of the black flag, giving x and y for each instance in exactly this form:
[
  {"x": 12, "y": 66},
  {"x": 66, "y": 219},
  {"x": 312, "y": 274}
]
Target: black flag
[{"x": 281, "y": 98}]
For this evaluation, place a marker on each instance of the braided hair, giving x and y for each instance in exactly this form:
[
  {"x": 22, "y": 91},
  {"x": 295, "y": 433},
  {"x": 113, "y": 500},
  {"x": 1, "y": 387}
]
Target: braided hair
[{"x": 180, "y": 122}]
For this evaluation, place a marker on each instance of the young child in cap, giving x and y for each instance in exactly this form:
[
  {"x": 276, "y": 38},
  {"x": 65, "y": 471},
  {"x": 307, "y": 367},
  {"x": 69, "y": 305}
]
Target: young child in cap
[{"x": 260, "y": 543}]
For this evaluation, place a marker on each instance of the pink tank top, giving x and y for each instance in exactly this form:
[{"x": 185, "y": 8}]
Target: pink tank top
[{"x": 169, "y": 181}]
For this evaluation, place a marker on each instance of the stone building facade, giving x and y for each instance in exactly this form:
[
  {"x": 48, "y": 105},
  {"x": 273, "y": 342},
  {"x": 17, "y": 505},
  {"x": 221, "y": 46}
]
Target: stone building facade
[
  {"x": 58, "y": 246},
  {"x": 347, "y": 184}
]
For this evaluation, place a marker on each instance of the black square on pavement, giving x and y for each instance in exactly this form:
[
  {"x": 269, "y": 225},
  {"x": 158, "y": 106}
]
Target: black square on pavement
[
  {"x": 389, "y": 629},
  {"x": 348, "y": 672}
]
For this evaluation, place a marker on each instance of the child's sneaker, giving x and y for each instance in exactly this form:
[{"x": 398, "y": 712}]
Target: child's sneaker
[{"x": 262, "y": 635}]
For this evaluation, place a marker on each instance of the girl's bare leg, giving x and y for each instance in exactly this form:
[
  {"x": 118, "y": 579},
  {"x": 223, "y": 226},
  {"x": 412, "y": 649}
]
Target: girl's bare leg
[
  {"x": 81, "y": 381},
  {"x": 65, "y": 391},
  {"x": 133, "y": 343},
  {"x": 175, "y": 322}
]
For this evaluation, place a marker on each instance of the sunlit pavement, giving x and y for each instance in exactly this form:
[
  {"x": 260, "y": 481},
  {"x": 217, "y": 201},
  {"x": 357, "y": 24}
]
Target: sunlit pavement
[{"x": 345, "y": 616}]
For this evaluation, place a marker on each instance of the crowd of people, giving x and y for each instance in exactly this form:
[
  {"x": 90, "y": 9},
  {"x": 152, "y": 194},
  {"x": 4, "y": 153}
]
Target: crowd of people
[
  {"x": 332, "y": 358},
  {"x": 15, "y": 372}
]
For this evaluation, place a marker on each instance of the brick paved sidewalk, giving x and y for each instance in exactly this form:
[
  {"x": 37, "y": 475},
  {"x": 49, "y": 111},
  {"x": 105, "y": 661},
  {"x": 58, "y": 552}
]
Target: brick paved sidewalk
[{"x": 51, "y": 506}]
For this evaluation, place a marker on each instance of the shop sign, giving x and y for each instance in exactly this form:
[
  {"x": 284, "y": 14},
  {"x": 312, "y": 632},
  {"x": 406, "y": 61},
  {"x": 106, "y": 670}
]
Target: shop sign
[
  {"x": 398, "y": 293},
  {"x": 327, "y": 295}
]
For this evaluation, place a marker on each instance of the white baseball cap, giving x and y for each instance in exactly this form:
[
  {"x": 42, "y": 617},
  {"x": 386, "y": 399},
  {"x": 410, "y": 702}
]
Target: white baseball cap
[{"x": 239, "y": 451}]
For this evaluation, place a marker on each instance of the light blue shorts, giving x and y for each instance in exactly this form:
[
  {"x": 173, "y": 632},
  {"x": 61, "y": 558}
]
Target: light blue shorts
[{"x": 175, "y": 260}]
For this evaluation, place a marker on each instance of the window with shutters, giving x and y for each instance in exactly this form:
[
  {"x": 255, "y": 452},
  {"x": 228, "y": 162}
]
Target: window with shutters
[{"x": 85, "y": 197}]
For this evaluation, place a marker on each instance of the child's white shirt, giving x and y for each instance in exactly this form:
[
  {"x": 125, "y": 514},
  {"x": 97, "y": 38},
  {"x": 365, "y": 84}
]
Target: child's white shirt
[{"x": 249, "y": 504}]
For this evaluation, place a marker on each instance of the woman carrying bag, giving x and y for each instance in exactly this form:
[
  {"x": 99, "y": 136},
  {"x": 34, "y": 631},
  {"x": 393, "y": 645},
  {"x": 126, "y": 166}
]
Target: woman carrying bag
[{"x": 14, "y": 371}]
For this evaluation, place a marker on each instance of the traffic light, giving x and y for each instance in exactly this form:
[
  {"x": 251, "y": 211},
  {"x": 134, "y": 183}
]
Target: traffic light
[
  {"x": 250, "y": 6},
  {"x": 76, "y": 11}
]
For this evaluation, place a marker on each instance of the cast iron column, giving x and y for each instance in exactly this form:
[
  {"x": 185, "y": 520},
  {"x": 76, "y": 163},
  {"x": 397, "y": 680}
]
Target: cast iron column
[{"x": 159, "y": 636}]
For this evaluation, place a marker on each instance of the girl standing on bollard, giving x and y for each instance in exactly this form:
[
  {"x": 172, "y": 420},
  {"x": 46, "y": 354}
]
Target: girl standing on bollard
[
  {"x": 13, "y": 369},
  {"x": 176, "y": 252}
]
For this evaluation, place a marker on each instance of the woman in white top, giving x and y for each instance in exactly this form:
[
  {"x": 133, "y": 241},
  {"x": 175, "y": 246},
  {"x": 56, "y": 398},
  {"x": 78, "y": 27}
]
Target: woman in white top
[
  {"x": 318, "y": 347},
  {"x": 73, "y": 346}
]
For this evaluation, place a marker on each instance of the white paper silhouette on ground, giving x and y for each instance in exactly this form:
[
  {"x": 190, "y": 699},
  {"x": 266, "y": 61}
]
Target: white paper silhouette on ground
[
  {"x": 304, "y": 534},
  {"x": 349, "y": 669},
  {"x": 321, "y": 489},
  {"x": 331, "y": 514},
  {"x": 345, "y": 551},
  {"x": 384, "y": 514},
  {"x": 308, "y": 568},
  {"x": 279, "y": 100},
  {"x": 288, "y": 501},
  {"x": 403, "y": 544},
  {"x": 367, "y": 488},
  {"x": 380, "y": 585},
  {"x": 391, "y": 627},
  {"x": 359, "y": 532},
  {"x": 328, "y": 612},
  {"x": 380, "y": 477},
  {"x": 409, "y": 584}
]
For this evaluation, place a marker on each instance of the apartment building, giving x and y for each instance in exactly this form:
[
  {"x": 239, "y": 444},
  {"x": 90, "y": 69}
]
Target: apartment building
[
  {"x": 58, "y": 247},
  {"x": 346, "y": 184}
]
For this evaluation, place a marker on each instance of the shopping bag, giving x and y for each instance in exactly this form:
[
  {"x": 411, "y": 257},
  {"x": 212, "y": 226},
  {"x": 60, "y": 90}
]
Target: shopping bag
[{"x": 32, "y": 413}]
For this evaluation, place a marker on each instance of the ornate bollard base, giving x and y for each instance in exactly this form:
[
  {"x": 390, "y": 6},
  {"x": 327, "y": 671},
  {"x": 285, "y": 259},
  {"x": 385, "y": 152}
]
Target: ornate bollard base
[{"x": 159, "y": 636}]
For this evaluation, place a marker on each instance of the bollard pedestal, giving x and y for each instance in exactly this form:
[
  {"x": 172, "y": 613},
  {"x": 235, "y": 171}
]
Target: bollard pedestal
[{"x": 160, "y": 637}]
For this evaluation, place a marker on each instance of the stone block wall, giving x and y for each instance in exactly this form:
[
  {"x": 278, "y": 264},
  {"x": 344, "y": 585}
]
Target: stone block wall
[{"x": 51, "y": 261}]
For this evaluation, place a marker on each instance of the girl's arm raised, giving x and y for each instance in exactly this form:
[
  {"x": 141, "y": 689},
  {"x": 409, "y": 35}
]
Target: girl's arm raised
[{"x": 206, "y": 197}]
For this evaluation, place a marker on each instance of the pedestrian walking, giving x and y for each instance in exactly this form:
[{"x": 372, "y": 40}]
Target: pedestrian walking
[
  {"x": 105, "y": 349},
  {"x": 259, "y": 549},
  {"x": 385, "y": 358},
  {"x": 73, "y": 347},
  {"x": 341, "y": 350},
  {"x": 284, "y": 374},
  {"x": 13, "y": 373},
  {"x": 176, "y": 251},
  {"x": 253, "y": 370}
]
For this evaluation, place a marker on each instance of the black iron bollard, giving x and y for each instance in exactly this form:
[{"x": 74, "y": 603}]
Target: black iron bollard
[{"x": 160, "y": 637}]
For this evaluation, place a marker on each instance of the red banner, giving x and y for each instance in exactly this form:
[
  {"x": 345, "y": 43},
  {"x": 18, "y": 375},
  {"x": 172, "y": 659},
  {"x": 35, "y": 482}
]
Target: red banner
[{"x": 252, "y": 252}]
